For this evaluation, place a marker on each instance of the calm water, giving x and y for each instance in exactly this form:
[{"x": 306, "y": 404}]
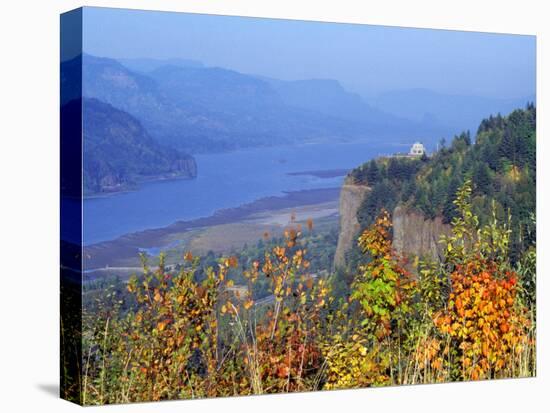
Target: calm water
[{"x": 224, "y": 181}]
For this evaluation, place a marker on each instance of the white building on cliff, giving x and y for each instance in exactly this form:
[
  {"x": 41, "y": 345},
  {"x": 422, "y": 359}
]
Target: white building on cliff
[{"x": 417, "y": 149}]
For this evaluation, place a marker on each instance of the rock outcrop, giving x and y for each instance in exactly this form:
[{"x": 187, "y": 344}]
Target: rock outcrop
[
  {"x": 351, "y": 198},
  {"x": 186, "y": 166},
  {"x": 414, "y": 235}
]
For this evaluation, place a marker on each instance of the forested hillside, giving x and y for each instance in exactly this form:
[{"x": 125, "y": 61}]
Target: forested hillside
[
  {"x": 501, "y": 164},
  {"x": 118, "y": 151}
]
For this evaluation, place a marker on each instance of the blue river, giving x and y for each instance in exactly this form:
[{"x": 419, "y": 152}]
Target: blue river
[{"x": 224, "y": 180}]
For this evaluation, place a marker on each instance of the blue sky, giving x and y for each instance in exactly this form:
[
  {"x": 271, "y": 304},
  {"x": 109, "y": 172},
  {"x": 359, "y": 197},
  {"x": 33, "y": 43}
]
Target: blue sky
[{"x": 365, "y": 59}]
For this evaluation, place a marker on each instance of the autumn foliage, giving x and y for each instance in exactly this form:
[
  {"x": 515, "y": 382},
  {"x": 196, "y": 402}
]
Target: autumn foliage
[
  {"x": 460, "y": 319},
  {"x": 281, "y": 349},
  {"x": 489, "y": 330},
  {"x": 486, "y": 326},
  {"x": 177, "y": 334}
]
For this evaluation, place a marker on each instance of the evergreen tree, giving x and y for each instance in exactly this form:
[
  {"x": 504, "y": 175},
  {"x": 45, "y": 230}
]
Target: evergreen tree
[
  {"x": 373, "y": 173},
  {"x": 482, "y": 179}
]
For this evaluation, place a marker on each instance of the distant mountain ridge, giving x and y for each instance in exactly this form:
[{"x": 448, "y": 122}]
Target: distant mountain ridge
[
  {"x": 145, "y": 65},
  {"x": 198, "y": 109},
  {"x": 329, "y": 97},
  {"x": 205, "y": 109},
  {"x": 118, "y": 151}
]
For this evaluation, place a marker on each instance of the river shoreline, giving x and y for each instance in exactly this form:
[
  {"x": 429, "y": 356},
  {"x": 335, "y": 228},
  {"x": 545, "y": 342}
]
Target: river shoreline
[
  {"x": 126, "y": 247},
  {"x": 322, "y": 173},
  {"x": 135, "y": 186}
]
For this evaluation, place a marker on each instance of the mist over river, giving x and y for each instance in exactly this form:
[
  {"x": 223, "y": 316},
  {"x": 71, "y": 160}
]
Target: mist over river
[{"x": 225, "y": 180}]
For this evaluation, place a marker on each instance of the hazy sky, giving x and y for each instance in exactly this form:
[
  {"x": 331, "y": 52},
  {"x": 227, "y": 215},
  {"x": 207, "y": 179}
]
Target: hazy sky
[{"x": 365, "y": 59}]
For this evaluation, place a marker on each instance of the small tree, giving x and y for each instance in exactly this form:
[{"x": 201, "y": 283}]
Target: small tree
[
  {"x": 485, "y": 325},
  {"x": 280, "y": 340}
]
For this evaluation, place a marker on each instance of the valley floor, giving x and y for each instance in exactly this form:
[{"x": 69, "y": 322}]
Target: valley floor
[{"x": 223, "y": 232}]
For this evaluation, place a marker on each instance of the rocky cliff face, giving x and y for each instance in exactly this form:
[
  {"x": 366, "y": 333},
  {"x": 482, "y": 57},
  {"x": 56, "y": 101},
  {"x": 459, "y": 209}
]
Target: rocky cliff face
[
  {"x": 186, "y": 167},
  {"x": 351, "y": 198},
  {"x": 413, "y": 234}
]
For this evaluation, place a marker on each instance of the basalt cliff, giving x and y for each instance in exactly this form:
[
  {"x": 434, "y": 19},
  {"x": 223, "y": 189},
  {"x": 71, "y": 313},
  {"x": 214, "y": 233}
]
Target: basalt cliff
[{"x": 413, "y": 233}]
